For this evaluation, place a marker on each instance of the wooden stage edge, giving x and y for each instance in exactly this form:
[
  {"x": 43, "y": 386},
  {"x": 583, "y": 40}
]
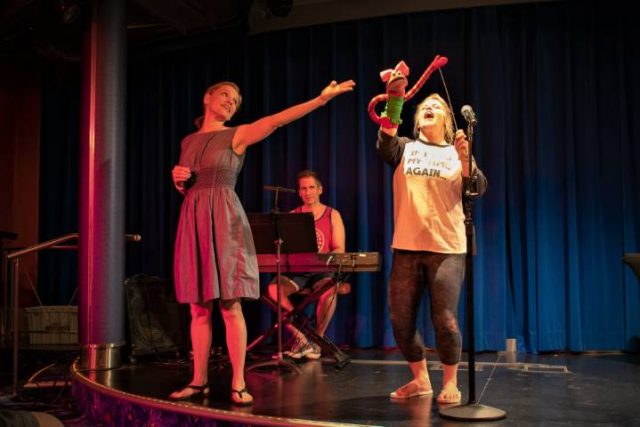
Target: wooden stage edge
[{"x": 105, "y": 404}]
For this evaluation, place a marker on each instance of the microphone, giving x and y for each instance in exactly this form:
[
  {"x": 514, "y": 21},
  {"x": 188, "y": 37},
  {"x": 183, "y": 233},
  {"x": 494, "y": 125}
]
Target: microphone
[
  {"x": 279, "y": 189},
  {"x": 469, "y": 115}
]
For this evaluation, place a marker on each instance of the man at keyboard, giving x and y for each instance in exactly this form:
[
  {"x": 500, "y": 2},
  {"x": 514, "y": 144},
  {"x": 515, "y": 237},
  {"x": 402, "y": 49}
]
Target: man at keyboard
[{"x": 330, "y": 237}]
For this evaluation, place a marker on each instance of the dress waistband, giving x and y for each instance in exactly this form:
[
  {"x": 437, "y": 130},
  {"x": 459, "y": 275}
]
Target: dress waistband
[{"x": 214, "y": 177}]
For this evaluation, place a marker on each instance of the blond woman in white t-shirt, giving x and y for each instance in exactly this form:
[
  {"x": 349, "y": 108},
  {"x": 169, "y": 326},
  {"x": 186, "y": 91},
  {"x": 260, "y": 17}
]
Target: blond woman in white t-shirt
[{"x": 429, "y": 241}]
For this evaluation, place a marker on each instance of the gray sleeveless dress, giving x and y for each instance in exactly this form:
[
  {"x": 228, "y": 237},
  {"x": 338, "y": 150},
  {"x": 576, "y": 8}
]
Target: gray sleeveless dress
[{"x": 215, "y": 255}]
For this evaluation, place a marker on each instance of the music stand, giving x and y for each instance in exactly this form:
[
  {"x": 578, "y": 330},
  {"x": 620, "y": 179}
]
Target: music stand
[{"x": 286, "y": 233}]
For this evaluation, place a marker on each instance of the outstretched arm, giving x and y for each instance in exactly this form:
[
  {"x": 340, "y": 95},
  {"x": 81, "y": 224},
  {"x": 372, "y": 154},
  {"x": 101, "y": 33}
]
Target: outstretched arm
[{"x": 250, "y": 134}]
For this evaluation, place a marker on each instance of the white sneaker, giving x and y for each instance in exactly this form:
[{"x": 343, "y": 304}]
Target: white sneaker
[
  {"x": 299, "y": 350},
  {"x": 315, "y": 352}
]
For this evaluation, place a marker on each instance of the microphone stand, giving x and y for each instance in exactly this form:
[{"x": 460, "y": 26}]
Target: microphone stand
[
  {"x": 276, "y": 209},
  {"x": 471, "y": 411}
]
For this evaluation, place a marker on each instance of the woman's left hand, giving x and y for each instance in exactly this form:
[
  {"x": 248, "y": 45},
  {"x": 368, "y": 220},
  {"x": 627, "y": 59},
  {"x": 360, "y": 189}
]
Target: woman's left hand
[
  {"x": 334, "y": 89},
  {"x": 461, "y": 143}
]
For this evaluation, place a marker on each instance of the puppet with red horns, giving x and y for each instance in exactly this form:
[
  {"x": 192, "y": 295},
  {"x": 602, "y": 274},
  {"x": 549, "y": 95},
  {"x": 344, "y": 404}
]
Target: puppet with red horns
[{"x": 396, "y": 80}]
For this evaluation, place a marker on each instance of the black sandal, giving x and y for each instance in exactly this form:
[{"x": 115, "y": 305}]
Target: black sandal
[
  {"x": 200, "y": 391},
  {"x": 239, "y": 393}
]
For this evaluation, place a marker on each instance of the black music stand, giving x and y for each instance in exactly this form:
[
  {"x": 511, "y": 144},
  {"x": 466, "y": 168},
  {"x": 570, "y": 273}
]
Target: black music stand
[{"x": 286, "y": 233}]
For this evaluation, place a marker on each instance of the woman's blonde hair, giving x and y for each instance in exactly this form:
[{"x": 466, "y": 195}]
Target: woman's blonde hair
[
  {"x": 200, "y": 120},
  {"x": 449, "y": 131}
]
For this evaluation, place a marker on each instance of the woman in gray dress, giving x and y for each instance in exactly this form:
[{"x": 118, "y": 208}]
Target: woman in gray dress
[{"x": 214, "y": 252}]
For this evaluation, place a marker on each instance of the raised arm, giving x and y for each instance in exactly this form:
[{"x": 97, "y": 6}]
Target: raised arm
[
  {"x": 252, "y": 133},
  {"x": 389, "y": 131}
]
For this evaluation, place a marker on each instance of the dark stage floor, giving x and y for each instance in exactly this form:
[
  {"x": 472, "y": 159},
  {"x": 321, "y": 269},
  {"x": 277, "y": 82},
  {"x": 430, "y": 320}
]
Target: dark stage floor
[{"x": 560, "y": 390}]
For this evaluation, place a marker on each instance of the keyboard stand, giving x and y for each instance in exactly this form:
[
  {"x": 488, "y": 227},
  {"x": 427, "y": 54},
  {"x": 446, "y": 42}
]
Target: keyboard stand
[{"x": 300, "y": 320}]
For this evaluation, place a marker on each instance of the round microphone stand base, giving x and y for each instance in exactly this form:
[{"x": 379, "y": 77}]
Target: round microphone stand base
[
  {"x": 276, "y": 362},
  {"x": 473, "y": 412}
]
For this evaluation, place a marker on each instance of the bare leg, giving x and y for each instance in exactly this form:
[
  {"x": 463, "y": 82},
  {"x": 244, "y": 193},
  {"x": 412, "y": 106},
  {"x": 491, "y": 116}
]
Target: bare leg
[
  {"x": 325, "y": 309},
  {"x": 286, "y": 290},
  {"x": 419, "y": 386},
  {"x": 201, "y": 343},
  {"x": 237, "y": 346},
  {"x": 450, "y": 392}
]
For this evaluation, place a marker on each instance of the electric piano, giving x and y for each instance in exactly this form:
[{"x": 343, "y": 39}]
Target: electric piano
[{"x": 350, "y": 262}]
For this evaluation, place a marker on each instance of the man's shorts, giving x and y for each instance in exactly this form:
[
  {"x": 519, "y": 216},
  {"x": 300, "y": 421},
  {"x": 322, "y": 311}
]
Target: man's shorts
[{"x": 307, "y": 280}]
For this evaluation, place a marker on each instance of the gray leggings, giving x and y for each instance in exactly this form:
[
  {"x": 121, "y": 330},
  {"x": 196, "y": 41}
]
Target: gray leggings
[{"x": 442, "y": 275}]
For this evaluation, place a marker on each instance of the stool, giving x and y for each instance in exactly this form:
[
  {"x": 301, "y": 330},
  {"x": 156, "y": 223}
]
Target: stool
[{"x": 297, "y": 318}]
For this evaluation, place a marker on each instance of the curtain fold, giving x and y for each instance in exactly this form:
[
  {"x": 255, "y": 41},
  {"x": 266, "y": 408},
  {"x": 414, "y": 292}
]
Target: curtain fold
[{"x": 553, "y": 86}]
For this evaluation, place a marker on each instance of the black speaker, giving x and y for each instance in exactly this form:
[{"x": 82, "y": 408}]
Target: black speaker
[{"x": 156, "y": 319}]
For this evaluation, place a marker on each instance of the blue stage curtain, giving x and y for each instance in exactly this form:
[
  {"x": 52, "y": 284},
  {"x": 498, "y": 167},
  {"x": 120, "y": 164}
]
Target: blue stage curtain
[{"x": 553, "y": 85}]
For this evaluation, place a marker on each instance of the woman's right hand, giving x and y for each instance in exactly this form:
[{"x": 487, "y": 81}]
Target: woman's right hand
[{"x": 180, "y": 174}]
